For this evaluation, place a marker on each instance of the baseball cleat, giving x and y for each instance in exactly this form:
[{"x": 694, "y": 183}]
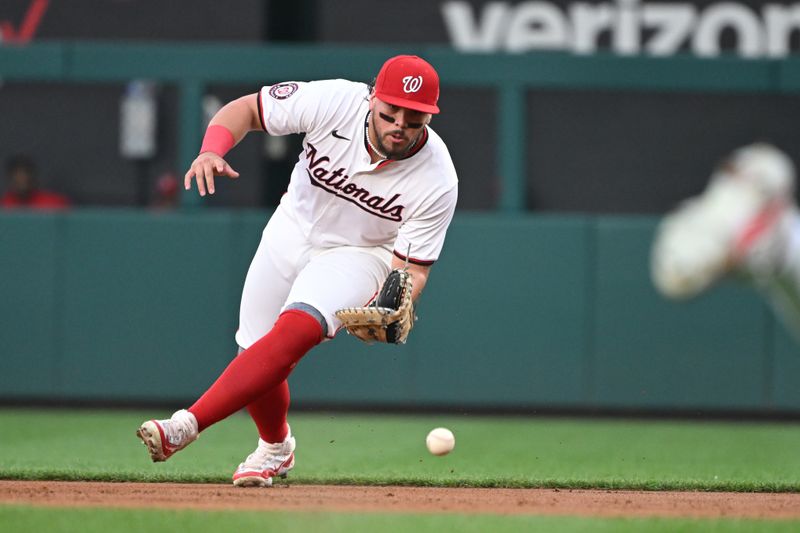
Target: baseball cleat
[
  {"x": 739, "y": 223},
  {"x": 165, "y": 437},
  {"x": 266, "y": 462}
]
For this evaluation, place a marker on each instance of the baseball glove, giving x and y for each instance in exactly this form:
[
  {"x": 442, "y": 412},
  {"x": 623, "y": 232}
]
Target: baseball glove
[{"x": 389, "y": 318}]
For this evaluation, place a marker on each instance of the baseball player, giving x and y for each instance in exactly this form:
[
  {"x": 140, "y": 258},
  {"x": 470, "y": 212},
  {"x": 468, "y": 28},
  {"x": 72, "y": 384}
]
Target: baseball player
[
  {"x": 372, "y": 194},
  {"x": 745, "y": 223}
]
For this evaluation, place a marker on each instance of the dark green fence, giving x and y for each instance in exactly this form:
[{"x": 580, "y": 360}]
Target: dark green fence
[
  {"x": 192, "y": 67},
  {"x": 520, "y": 312}
]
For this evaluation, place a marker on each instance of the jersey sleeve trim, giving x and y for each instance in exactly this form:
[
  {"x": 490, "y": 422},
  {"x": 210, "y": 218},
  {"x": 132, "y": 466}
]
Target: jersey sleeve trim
[
  {"x": 412, "y": 260},
  {"x": 260, "y": 111}
]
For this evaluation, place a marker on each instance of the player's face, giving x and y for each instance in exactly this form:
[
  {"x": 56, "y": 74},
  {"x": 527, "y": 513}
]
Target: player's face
[{"x": 396, "y": 128}]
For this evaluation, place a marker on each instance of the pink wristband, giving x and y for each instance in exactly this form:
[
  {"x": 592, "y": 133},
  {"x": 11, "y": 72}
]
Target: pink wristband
[{"x": 218, "y": 139}]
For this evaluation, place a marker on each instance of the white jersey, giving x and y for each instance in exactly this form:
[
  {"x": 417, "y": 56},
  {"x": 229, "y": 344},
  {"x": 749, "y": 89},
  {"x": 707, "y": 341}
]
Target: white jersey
[{"x": 337, "y": 196}]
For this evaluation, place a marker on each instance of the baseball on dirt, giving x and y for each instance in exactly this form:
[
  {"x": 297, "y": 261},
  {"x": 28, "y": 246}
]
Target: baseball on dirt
[{"x": 440, "y": 441}]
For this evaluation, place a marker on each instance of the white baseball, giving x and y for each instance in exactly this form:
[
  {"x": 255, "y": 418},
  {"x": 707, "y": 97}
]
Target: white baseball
[{"x": 440, "y": 441}]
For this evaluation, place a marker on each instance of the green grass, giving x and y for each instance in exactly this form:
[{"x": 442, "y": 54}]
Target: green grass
[
  {"x": 389, "y": 449},
  {"x": 21, "y": 518},
  {"x": 383, "y": 449}
]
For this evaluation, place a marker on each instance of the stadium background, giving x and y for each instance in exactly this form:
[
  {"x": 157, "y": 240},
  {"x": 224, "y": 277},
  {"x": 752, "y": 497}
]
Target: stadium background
[{"x": 542, "y": 299}]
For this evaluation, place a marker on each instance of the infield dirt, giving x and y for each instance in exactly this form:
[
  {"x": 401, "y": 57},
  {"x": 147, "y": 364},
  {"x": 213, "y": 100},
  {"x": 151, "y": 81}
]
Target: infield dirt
[{"x": 332, "y": 498}]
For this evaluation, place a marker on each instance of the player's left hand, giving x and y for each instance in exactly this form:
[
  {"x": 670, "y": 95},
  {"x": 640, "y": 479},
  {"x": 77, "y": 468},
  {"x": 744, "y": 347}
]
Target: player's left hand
[{"x": 204, "y": 168}]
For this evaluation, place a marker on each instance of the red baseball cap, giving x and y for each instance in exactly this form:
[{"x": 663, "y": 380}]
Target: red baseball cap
[{"x": 410, "y": 82}]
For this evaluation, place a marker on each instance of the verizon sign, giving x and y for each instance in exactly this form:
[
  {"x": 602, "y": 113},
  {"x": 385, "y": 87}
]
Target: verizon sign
[{"x": 626, "y": 27}]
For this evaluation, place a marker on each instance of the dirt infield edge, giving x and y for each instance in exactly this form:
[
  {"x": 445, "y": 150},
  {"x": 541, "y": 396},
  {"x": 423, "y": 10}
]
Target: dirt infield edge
[{"x": 336, "y": 498}]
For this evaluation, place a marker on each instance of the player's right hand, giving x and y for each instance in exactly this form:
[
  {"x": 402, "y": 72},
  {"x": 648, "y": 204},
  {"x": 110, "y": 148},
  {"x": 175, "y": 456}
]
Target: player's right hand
[{"x": 204, "y": 168}]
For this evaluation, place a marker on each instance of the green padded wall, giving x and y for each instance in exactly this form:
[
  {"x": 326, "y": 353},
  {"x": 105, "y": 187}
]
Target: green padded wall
[
  {"x": 148, "y": 308},
  {"x": 785, "y": 367},
  {"x": 521, "y": 312},
  {"x": 707, "y": 353},
  {"x": 30, "y": 290},
  {"x": 502, "y": 330}
]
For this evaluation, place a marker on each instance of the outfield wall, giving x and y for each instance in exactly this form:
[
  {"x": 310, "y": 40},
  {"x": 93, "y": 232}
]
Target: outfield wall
[{"x": 528, "y": 311}]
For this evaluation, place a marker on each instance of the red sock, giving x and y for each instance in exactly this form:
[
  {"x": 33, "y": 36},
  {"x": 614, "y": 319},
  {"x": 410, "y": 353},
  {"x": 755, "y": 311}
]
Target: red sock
[
  {"x": 260, "y": 368},
  {"x": 269, "y": 413}
]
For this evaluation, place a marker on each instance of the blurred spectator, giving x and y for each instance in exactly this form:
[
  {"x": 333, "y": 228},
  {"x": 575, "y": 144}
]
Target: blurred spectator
[
  {"x": 167, "y": 193},
  {"x": 23, "y": 190}
]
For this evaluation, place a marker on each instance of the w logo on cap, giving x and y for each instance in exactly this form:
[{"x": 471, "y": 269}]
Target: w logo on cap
[{"x": 412, "y": 84}]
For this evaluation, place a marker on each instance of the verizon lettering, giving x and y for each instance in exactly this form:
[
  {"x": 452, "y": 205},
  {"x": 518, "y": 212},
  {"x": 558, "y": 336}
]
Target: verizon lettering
[{"x": 628, "y": 26}]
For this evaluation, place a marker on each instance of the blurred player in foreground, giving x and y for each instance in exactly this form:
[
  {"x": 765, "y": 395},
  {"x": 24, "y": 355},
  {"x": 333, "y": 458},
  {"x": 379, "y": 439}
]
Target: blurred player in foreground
[
  {"x": 745, "y": 223},
  {"x": 373, "y": 192}
]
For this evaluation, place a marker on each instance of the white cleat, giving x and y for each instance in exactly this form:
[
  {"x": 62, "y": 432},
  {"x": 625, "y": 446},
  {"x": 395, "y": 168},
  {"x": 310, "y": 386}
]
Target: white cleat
[
  {"x": 265, "y": 463},
  {"x": 740, "y": 222},
  {"x": 165, "y": 437}
]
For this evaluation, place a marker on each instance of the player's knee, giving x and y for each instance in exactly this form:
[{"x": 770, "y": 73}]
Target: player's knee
[{"x": 312, "y": 311}]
